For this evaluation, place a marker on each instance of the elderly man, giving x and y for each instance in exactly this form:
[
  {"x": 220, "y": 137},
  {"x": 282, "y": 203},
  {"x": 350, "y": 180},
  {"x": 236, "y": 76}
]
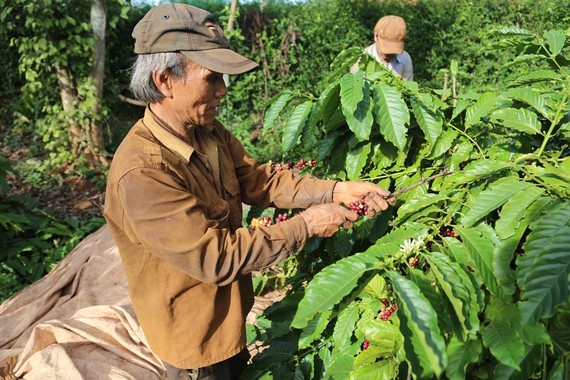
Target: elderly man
[
  {"x": 388, "y": 47},
  {"x": 175, "y": 192}
]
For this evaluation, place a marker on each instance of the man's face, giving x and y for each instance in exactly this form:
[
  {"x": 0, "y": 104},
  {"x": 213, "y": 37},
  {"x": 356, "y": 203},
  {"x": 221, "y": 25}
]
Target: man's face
[
  {"x": 196, "y": 97},
  {"x": 384, "y": 57}
]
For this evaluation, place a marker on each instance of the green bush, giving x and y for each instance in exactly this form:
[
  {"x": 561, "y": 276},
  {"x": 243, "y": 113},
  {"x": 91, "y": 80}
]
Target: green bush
[
  {"x": 32, "y": 241},
  {"x": 467, "y": 276}
]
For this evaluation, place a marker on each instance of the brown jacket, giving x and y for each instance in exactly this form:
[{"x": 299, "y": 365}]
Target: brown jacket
[{"x": 176, "y": 216}]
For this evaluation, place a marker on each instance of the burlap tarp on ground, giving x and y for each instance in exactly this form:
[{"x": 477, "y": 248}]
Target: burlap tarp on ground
[{"x": 78, "y": 323}]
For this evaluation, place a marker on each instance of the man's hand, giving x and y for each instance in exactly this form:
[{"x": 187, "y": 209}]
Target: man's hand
[
  {"x": 376, "y": 198},
  {"x": 326, "y": 219}
]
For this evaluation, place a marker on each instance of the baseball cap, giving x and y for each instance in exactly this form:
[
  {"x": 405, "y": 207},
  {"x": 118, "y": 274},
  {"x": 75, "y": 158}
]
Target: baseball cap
[
  {"x": 191, "y": 31},
  {"x": 391, "y": 32}
]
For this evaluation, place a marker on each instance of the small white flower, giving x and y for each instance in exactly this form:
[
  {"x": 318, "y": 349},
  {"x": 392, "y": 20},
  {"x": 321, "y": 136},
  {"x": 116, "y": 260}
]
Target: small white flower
[
  {"x": 411, "y": 245},
  {"x": 419, "y": 242},
  {"x": 408, "y": 246}
]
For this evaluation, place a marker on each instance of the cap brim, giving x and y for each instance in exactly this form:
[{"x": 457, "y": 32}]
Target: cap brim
[
  {"x": 223, "y": 61},
  {"x": 391, "y": 47}
]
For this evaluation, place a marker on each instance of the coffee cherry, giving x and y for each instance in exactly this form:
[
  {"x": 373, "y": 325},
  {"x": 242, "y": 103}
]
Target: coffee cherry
[
  {"x": 358, "y": 207},
  {"x": 301, "y": 164},
  {"x": 385, "y": 313},
  {"x": 413, "y": 262},
  {"x": 388, "y": 309},
  {"x": 447, "y": 232},
  {"x": 281, "y": 218},
  {"x": 260, "y": 222},
  {"x": 365, "y": 344}
]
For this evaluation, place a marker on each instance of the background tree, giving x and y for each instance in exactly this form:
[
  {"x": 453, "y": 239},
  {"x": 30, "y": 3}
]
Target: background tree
[{"x": 61, "y": 48}]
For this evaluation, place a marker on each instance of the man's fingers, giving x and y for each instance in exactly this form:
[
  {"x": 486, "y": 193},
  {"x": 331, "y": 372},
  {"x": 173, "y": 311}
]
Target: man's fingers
[
  {"x": 350, "y": 215},
  {"x": 391, "y": 199},
  {"x": 376, "y": 202}
]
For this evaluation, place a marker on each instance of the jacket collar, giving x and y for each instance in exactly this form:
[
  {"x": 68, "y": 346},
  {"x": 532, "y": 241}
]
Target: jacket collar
[{"x": 153, "y": 123}]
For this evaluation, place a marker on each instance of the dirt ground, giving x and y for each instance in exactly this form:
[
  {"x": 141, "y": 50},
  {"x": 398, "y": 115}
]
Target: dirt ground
[{"x": 76, "y": 198}]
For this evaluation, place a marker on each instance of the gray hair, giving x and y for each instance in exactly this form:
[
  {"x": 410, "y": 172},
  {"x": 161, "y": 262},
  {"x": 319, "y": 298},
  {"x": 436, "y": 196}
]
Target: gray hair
[{"x": 142, "y": 85}]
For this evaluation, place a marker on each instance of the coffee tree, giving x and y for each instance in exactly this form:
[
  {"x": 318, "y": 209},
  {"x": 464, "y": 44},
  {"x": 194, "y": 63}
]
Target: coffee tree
[{"x": 468, "y": 274}]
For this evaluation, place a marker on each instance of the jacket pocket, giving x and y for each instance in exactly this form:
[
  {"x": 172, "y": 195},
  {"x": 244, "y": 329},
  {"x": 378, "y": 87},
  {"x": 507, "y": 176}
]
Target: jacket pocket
[
  {"x": 219, "y": 212},
  {"x": 231, "y": 184}
]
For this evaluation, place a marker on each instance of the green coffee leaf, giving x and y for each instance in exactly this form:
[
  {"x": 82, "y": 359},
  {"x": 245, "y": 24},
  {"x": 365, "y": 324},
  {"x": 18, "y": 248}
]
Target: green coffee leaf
[
  {"x": 330, "y": 286},
  {"x": 344, "y": 327},
  {"x": 460, "y": 355},
  {"x": 391, "y": 113},
  {"x": 504, "y": 342},
  {"x": 542, "y": 272},
  {"x": 314, "y": 329},
  {"x": 535, "y": 77},
  {"x": 482, "y": 107},
  {"x": 530, "y": 97},
  {"x": 521, "y": 120},
  {"x": 459, "y": 290},
  {"x": 351, "y": 91},
  {"x": 515, "y": 209},
  {"x": 555, "y": 40},
  {"x": 295, "y": 124},
  {"x": 425, "y": 347},
  {"x": 480, "y": 249},
  {"x": 356, "y": 160},
  {"x": 278, "y": 103},
  {"x": 429, "y": 121},
  {"x": 492, "y": 198}
]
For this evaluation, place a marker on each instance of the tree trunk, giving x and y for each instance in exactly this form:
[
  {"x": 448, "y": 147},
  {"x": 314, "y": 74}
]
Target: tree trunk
[
  {"x": 68, "y": 94},
  {"x": 95, "y": 149},
  {"x": 231, "y": 19},
  {"x": 86, "y": 139}
]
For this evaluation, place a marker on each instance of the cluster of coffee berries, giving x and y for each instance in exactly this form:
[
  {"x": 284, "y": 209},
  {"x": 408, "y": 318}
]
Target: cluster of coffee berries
[
  {"x": 365, "y": 344},
  {"x": 358, "y": 207},
  {"x": 260, "y": 222},
  {"x": 281, "y": 166},
  {"x": 266, "y": 221},
  {"x": 388, "y": 309},
  {"x": 447, "y": 232},
  {"x": 413, "y": 262},
  {"x": 302, "y": 164}
]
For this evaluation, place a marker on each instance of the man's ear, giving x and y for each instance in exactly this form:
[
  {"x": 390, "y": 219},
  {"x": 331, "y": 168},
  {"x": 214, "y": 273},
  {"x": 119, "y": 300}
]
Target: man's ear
[{"x": 163, "y": 82}]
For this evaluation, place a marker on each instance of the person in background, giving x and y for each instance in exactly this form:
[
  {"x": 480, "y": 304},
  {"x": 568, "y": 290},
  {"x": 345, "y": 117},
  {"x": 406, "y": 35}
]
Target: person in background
[
  {"x": 174, "y": 199},
  {"x": 388, "y": 47}
]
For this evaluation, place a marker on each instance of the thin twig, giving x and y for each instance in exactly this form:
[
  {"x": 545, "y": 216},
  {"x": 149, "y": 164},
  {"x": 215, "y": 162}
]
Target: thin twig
[
  {"x": 131, "y": 101},
  {"x": 405, "y": 189}
]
